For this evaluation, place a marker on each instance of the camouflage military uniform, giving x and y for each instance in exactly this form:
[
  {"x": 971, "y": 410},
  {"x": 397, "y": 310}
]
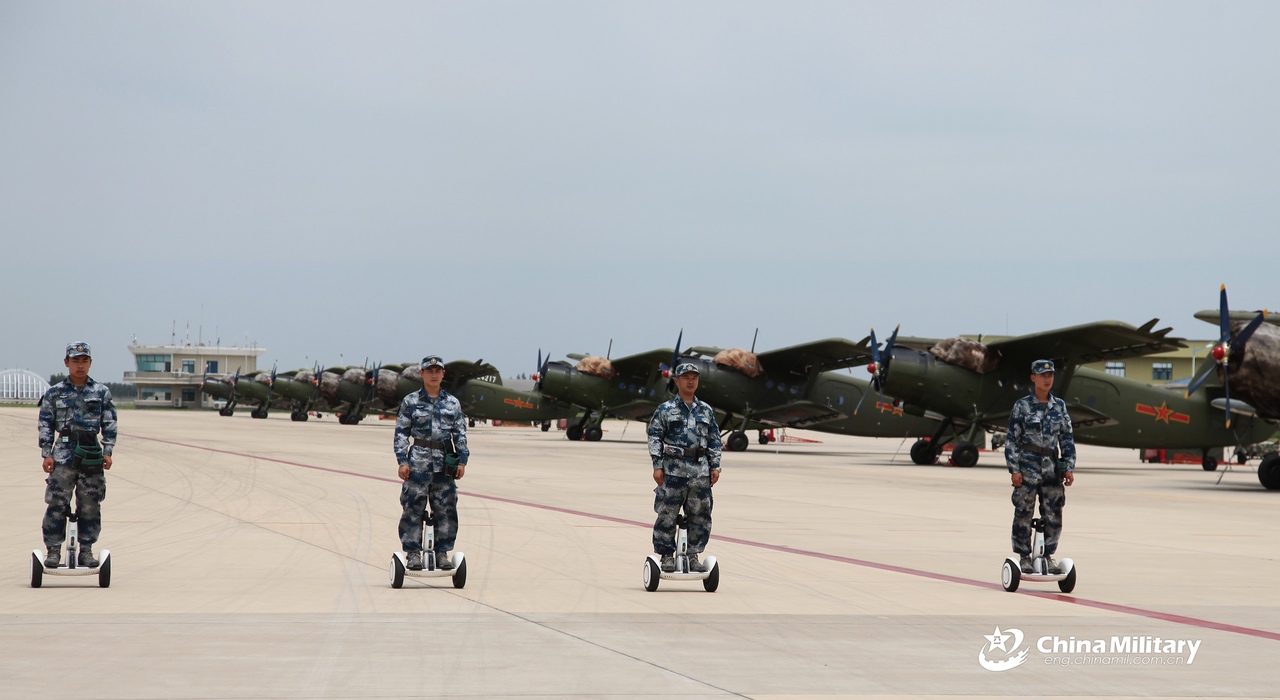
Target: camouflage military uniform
[
  {"x": 1039, "y": 434},
  {"x": 439, "y": 419},
  {"x": 686, "y": 480},
  {"x": 64, "y": 410}
]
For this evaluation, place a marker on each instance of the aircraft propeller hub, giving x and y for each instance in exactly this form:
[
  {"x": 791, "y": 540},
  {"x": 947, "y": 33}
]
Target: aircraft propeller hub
[
  {"x": 1219, "y": 352},
  {"x": 871, "y": 368}
]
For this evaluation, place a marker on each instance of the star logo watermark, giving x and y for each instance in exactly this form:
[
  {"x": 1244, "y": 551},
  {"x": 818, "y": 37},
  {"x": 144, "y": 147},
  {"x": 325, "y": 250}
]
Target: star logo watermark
[{"x": 1007, "y": 642}]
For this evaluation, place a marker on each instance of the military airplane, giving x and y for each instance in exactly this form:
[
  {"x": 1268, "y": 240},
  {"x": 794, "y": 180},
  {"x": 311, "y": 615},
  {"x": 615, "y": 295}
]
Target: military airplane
[
  {"x": 973, "y": 386},
  {"x": 794, "y": 387},
  {"x": 1246, "y": 362},
  {"x": 254, "y": 387}
]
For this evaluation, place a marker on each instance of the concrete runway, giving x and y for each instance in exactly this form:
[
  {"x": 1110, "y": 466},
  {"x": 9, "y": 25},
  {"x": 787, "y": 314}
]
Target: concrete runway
[{"x": 250, "y": 561}]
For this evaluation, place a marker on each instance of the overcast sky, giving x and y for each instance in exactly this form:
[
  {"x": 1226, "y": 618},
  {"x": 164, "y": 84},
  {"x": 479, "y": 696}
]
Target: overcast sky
[{"x": 481, "y": 179}]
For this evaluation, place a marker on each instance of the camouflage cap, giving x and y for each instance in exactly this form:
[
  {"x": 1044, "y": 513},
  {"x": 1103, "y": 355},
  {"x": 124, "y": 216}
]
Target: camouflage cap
[
  {"x": 78, "y": 349},
  {"x": 1041, "y": 366},
  {"x": 432, "y": 361},
  {"x": 685, "y": 368}
]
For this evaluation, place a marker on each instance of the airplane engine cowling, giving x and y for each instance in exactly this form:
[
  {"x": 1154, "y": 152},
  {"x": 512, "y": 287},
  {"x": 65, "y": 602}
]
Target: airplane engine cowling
[
  {"x": 741, "y": 360},
  {"x": 329, "y": 382},
  {"x": 1255, "y": 376},
  {"x": 386, "y": 388},
  {"x": 263, "y": 379},
  {"x": 355, "y": 375}
]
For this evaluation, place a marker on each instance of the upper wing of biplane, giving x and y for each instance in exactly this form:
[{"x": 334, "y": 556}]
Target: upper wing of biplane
[
  {"x": 818, "y": 356},
  {"x": 1090, "y": 342}
]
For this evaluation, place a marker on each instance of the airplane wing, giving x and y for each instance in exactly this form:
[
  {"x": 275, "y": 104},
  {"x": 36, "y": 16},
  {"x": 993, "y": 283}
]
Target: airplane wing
[
  {"x": 796, "y": 414},
  {"x": 1211, "y": 316},
  {"x": 641, "y": 364},
  {"x": 1091, "y": 342},
  {"x": 460, "y": 371},
  {"x": 1082, "y": 416},
  {"x": 636, "y": 410},
  {"x": 818, "y": 356}
]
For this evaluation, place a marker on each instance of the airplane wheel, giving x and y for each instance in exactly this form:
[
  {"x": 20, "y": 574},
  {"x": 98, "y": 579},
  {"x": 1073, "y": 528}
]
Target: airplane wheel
[
  {"x": 104, "y": 574},
  {"x": 1269, "y": 472},
  {"x": 652, "y": 575},
  {"x": 763, "y": 439},
  {"x": 1068, "y": 584},
  {"x": 922, "y": 452},
  {"x": 397, "y": 572},
  {"x": 37, "y": 571},
  {"x": 594, "y": 433},
  {"x": 1241, "y": 458},
  {"x": 546, "y": 425},
  {"x": 738, "y": 441},
  {"x": 471, "y": 422},
  {"x": 712, "y": 581},
  {"x": 460, "y": 576},
  {"x": 573, "y": 432},
  {"x": 295, "y": 417},
  {"x": 964, "y": 454},
  {"x": 259, "y": 413},
  {"x": 1209, "y": 464},
  {"x": 225, "y": 411},
  {"x": 1010, "y": 576}
]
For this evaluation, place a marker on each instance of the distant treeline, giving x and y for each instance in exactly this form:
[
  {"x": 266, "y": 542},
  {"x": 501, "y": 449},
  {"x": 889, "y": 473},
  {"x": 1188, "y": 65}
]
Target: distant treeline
[{"x": 118, "y": 390}]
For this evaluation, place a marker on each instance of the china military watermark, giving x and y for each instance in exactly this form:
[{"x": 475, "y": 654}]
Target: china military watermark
[{"x": 1004, "y": 650}]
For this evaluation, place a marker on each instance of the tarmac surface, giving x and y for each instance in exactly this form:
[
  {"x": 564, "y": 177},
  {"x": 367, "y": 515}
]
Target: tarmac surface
[{"x": 250, "y": 560}]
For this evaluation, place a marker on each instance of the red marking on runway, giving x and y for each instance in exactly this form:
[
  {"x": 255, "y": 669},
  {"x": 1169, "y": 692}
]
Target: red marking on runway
[{"x": 1060, "y": 597}]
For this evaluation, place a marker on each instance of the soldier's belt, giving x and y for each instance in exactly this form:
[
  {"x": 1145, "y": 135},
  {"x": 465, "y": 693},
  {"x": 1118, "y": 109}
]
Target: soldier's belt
[
  {"x": 433, "y": 444},
  {"x": 686, "y": 452},
  {"x": 1038, "y": 450}
]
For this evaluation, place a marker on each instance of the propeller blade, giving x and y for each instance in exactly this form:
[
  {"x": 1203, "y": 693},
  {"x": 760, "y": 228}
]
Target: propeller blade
[
  {"x": 1247, "y": 332},
  {"x": 1224, "y": 315},
  {"x": 1226, "y": 390},
  {"x": 886, "y": 358},
  {"x": 1191, "y": 388},
  {"x": 753, "y": 340},
  {"x": 860, "y": 400}
]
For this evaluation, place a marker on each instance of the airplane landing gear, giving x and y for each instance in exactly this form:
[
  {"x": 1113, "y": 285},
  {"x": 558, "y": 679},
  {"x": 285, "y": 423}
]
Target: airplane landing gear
[
  {"x": 546, "y": 425},
  {"x": 593, "y": 434},
  {"x": 259, "y": 412},
  {"x": 1208, "y": 463},
  {"x": 573, "y": 432},
  {"x": 1269, "y": 471},
  {"x": 763, "y": 439},
  {"x": 964, "y": 454},
  {"x": 226, "y": 411},
  {"x": 298, "y": 416},
  {"x": 737, "y": 441},
  {"x": 922, "y": 452}
]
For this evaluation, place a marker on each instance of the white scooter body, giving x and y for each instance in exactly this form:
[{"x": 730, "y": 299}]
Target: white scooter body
[
  {"x": 70, "y": 566},
  {"x": 430, "y": 567},
  {"x": 1011, "y": 572},
  {"x": 653, "y": 566}
]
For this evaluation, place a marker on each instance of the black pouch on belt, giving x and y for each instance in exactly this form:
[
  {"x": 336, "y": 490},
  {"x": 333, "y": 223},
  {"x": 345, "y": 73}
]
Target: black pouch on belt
[
  {"x": 88, "y": 453},
  {"x": 451, "y": 459}
]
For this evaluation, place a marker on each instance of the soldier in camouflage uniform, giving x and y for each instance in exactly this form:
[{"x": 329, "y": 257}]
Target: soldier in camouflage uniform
[
  {"x": 71, "y": 408},
  {"x": 684, "y": 444},
  {"x": 1041, "y": 454},
  {"x": 430, "y": 426}
]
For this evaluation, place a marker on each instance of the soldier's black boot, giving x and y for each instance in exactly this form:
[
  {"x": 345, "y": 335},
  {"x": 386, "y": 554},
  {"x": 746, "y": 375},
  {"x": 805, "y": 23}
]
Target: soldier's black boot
[
  {"x": 695, "y": 565},
  {"x": 442, "y": 560},
  {"x": 87, "y": 559},
  {"x": 668, "y": 563},
  {"x": 414, "y": 561},
  {"x": 53, "y": 557},
  {"x": 1025, "y": 564},
  {"x": 1052, "y": 566}
]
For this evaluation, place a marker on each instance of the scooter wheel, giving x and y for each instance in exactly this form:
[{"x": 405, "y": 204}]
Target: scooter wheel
[
  {"x": 1068, "y": 584},
  {"x": 1010, "y": 576},
  {"x": 712, "y": 581},
  {"x": 104, "y": 573},
  {"x": 397, "y": 572},
  {"x": 37, "y": 571},
  {"x": 460, "y": 575},
  {"x": 652, "y": 575}
]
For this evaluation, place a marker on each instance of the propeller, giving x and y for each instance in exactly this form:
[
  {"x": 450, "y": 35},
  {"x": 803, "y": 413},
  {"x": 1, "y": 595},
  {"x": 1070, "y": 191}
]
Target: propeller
[
  {"x": 879, "y": 367},
  {"x": 373, "y": 380},
  {"x": 1226, "y": 345},
  {"x": 271, "y": 381},
  {"x": 539, "y": 375},
  {"x": 666, "y": 368}
]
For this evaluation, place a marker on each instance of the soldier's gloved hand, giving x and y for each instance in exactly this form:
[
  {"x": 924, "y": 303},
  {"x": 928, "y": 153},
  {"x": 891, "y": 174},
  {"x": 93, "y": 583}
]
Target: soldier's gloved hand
[
  {"x": 404, "y": 472},
  {"x": 715, "y": 476},
  {"x": 657, "y": 475},
  {"x": 1068, "y": 478},
  {"x": 47, "y": 466},
  {"x": 1017, "y": 479},
  {"x": 106, "y": 461}
]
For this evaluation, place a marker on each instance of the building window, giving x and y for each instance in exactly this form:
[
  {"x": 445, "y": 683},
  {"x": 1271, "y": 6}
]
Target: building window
[
  {"x": 1115, "y": 369},
  {"x": 211, "y": 366},
  {"x": 154, "y": 393},
  {"x": 155, "y": 363},
  {"x": 189, "y": 366},
  {"x": 189, "y": 394},
  {"x": 1162, "y": 371}
]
